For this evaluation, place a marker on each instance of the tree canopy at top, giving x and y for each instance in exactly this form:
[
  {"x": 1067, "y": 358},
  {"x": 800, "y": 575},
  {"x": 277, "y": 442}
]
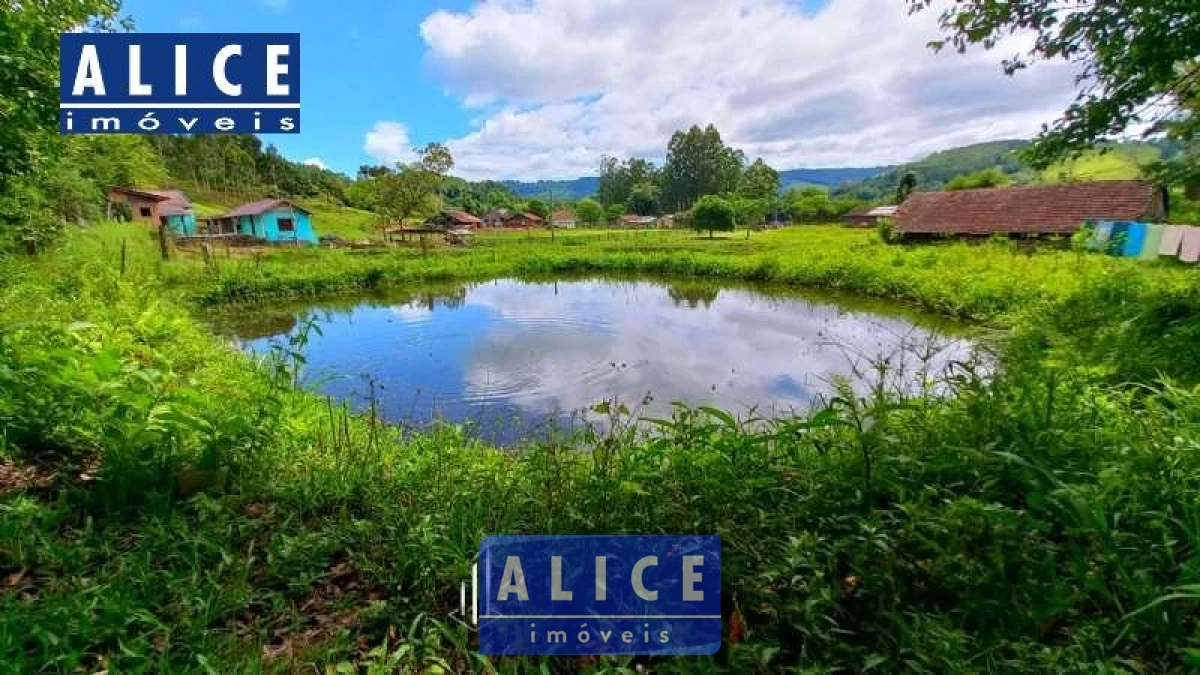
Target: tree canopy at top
[{"x": 1138, "y": 59}]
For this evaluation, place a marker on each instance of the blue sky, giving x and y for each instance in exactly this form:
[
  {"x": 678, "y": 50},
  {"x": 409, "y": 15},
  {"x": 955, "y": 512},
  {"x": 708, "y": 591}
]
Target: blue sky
[
  {"x": 533, "y": 89},
  {"x": 360, "y": 63}
]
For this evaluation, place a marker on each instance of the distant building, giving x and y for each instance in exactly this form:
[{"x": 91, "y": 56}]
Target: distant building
[
  {"x": 496, "y": 218},
  {"x": 562, "y": 218},
  {"x": 1040, "y": 209},
  {"x": 524, "y": 220},
  {"x": 868, "y": 216},
  {"x": 636, "y": 221},
  {"x": 275, "y": 220},
  {"x": 171, "y": 208},
  {"x": 454, "y": 219}
]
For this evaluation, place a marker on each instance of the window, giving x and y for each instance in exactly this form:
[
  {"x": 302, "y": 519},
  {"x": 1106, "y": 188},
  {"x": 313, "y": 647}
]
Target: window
[
  {"x": 145, "y": 211},
  {"x": 286, "y": 225}
]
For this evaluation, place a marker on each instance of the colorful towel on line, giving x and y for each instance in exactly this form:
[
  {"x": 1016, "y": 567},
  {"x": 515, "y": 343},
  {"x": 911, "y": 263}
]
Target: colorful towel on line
[
  {"x": 1116, "y": 241},
  {"x": 1101, "y": 233},
  {"x": 1154, "y": 237},
  {"x": 1190, "y": 251},
  {"x": 1172, "y": 240},
  {"x": 1135, "y": 238}
]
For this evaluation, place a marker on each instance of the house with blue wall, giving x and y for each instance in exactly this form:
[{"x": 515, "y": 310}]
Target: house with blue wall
[
  {"x": 168, "y": 208},
  {"x": 274, "y": 220}
]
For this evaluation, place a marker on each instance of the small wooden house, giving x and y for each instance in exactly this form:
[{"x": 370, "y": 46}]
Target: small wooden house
[
  {"x": 170, "y": 208},
  {"x": 562, "y": 218},
  {"x": 1033, "y": 209},
  {"x": 274, "y": 220},
  {"x": 525, "y": 220},
  {"x": 454, "y": 219},
  {"x": 869, "y": 216},
  {"x": 496, "y": 218},
  {"x": 638, "y": 222}
]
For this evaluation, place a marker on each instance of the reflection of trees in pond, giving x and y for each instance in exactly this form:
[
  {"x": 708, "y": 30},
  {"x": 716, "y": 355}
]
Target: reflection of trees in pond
[
  {"x": 448, "y": 296},
  {"x": 693, "y": 294},
  {"x": 252, "y": 325}
]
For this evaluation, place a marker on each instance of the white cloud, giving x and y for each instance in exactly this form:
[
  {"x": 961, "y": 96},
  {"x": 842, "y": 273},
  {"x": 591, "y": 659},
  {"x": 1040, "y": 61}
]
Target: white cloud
[
  {"x": 388, "y": 143},
  {"x": 315, "y": 161},
  {"x": 558, "y": 83}
]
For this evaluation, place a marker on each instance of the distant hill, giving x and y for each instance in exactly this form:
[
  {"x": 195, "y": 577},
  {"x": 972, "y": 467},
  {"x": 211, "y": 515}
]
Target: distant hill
[
  {"x": 1123, "y": 160},
  {"x": 576, "y": 188},
  {"x": 934, "y": 171},
  {"x": 829, "y": 178},
  {"x": 579, "y": 188}
]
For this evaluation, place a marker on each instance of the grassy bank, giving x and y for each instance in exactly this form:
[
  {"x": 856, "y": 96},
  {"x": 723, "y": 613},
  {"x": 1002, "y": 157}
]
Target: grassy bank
[{"x": 170, "y": 504}]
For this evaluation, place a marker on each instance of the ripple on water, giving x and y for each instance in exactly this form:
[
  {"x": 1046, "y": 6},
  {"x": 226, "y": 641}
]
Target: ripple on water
[{"x": 510, "y": 349}]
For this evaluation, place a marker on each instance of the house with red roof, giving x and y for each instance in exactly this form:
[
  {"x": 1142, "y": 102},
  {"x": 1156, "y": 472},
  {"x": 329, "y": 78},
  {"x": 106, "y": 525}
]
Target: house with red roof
[
  {"x": 170, "y": 208},
  {"x": 1032, "y": 209},
  {"x": 274, "y": 220}
]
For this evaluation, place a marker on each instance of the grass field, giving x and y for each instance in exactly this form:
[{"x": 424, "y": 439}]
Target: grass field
[
  {"x": 170, "y": 504},
  {"x": 1125, "y": 162}
]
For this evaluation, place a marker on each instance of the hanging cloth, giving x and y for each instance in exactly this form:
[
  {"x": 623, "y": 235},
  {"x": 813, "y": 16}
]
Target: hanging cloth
[
  {"x": 1116, "y": 241},
  {"x": 1154, "y": 236},
  {"x": 1135, "y": 238},
  {"x": 1190, "y": 251},
  {"x": 1172, "y": 240},
  {"x": 1101, "y": 235}
]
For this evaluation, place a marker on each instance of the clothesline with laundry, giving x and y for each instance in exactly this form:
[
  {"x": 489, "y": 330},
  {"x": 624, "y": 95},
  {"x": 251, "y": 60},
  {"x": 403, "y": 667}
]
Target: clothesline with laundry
[{"x": 1146, "y": 241}]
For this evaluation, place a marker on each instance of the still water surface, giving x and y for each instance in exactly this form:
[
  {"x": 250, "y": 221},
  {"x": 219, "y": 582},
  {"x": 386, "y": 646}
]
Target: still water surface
[{"x": 514, "y": 356}]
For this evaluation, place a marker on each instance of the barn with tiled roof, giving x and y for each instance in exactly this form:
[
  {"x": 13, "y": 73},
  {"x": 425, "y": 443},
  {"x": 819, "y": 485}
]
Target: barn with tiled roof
[{"x": 1034, "y": 209}]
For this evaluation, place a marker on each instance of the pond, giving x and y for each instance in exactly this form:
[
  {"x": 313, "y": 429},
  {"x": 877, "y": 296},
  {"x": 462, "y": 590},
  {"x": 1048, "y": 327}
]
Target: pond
[{"x": 516, "y": 357}]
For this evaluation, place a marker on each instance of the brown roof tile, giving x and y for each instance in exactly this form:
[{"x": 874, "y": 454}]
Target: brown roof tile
[
  {"x": 262, "y": 206},
  {"x": 1044, "y": 209}
]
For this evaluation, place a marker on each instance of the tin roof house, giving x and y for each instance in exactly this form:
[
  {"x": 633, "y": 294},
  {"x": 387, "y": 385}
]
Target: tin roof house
[
  {"x": 454, "y": 219},
  {"x": 868, "y": 216},
  {"x": 562, "y": 218},
  {"x": 495, "y": 218},
  {"x": 1034, "y": 209},
  {"x": 170, "y": 208},
  {"x": 273, "y": 220}
]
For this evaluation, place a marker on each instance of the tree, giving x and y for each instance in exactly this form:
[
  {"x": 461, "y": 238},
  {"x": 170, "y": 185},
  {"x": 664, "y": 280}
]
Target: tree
[
  {"x": 613, "y": 212},
  {"x": 538, "y": 208},
  {"x": 979, "y": 179},
  {"x": 698, "y": 163},
  {"x": 589, "y": 211},
  {"x": 908, "y": 183},
  {"x": 759, "y": 181},
  {"x": 644, "y": 199},
  {"x": 749, "y": 212},
  {"x": 435, "y": 158},
  {"x": 618, "y": 180},
  {"x": 413, "y": 190},
  {"x": 1137, "y": 59},
  {"x": 37, "y": 177},
  {"x": 29, "y": 76},
  {"x": 712, "y": 214}
]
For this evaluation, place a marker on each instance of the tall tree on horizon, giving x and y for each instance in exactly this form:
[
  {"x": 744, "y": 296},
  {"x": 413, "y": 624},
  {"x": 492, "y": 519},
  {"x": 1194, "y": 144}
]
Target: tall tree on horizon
[{"x": 699, "y": 163}]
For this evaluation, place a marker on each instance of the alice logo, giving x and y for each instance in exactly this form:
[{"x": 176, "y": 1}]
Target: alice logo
[
  {"x": 599, "y": 594},
  {"x": 179, "y": 83},
  {"x": 512, "y": 582}
]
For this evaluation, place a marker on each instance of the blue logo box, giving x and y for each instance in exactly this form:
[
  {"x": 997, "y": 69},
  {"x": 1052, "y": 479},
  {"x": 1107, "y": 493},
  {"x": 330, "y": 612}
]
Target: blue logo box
[
  {"x": 179, "y": 83},
  {"x": 654, "y": 595}
]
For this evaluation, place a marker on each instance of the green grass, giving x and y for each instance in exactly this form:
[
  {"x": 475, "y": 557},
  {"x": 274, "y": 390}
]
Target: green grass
[
  {"x": 1122, "y": 163},
  {"x": 1044, "y": 519},
  {"x": 342, "y": 221}
]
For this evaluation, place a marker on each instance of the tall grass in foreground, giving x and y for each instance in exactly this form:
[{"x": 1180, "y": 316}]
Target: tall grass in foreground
[{"x": 189, "y": 509}]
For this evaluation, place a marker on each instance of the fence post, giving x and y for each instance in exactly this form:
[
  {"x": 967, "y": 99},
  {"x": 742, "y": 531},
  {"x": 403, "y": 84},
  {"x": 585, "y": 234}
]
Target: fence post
[
  {"x": 31, "y": 246},
  {"x": 124, "y": 246},
  {"x": 162, "y": 241}
]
